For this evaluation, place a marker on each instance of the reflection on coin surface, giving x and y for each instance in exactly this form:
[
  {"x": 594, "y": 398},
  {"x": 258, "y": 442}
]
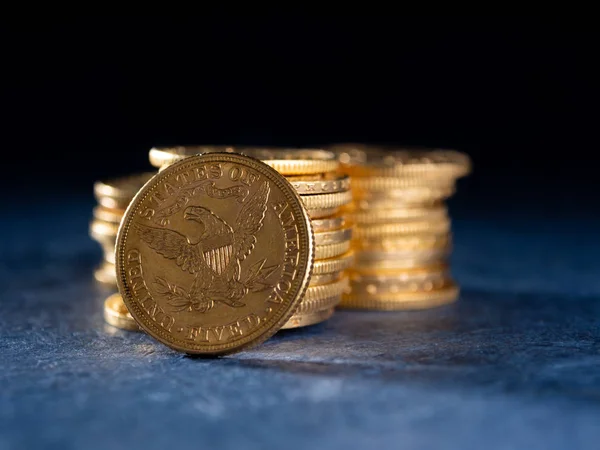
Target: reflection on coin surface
[{"x": 214, "y": 254}]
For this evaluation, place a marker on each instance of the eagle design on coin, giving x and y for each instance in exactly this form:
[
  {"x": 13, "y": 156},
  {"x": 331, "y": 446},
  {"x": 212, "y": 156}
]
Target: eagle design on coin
[{"x": 216, "y": 259}]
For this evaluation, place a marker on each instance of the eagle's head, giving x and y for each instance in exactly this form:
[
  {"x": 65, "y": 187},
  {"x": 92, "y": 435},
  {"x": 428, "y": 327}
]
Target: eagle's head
[
  {"x": 199, "y": 215},
  {"x": 196, "y": 213},
  {"x": 212, "y": 224}
]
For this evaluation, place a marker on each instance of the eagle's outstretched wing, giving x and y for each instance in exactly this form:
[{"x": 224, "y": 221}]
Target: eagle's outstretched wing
[
  {"x": 249, "y": 221},
  {"x": 172, "y": 245}
]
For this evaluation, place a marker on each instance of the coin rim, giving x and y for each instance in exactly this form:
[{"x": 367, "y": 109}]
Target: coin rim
[
  {"x": 333, "y": 236},
  {"x": 329, "y": 251},
  {"x": 330, "y": 223},
  {"x": 335, "y": 264},
  {"x": 305, "y": 232},
  {"x": 340, "y": 183},
  {"x": 326, "y": 201},
  {"x": 105, "y": 214},
  {"x": 307, "y": 319},
  {"x": 404, "y": 302}
]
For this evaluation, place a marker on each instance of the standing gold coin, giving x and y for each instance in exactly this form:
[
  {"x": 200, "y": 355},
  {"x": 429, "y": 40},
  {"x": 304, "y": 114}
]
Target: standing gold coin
[
  {"x": 214, "y": 254},
  {"x": 117, "y": 315}
]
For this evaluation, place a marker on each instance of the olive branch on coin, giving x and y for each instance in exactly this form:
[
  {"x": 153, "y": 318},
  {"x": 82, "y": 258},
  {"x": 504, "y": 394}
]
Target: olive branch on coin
[
  {"x": 205, "y": 293},
  {"x": 181, "y": 299}
]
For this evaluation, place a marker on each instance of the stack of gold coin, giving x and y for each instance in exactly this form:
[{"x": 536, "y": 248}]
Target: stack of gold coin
[
  {"x": 402, "y": 236},
  {"x": 113, "y": 197},
  {"x": 315, "y": 175}
]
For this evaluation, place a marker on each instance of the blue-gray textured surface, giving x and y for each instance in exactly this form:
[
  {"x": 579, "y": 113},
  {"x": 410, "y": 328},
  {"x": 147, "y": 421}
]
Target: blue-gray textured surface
[{"x": 514, "y": 364}]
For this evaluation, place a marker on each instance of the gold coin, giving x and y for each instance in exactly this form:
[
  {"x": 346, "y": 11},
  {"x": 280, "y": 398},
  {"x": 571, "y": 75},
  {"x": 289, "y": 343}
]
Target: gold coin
[
  {"x": 117, "y": 315},
  {"x": 384, "y": 183},
  {"x": 408, "y": 274},
  {"x": 367, "y": 217},
  {"x": 331, "y": 223},
  {"x": 105, "y": 274},
  {"x": 104, "y": 239},
  {"x": 214, "y": 254},
  {"x": 420, "y": 241},
  {"x": 108, "y": 214},
  {"x": 325, "y": 278},
  {"x": 311, "y": 306},
  {"x": 390, "y": 284},
  {"x": 331, "y": 250},
  {"x": 340, "y": 183},
  {"x": 409, "y": 195},
  {"x": 109, "y": 253},
  {"x": 285, "y": 161},
  {"x": 294, "y": 161},
  {"x": 325, "y": 201},
  {"x": 408, "y": 227},
  {"x": 333, "y": 237},
  {"x": 393, "y": 255},
  {"x": 304, "y": 320},
  {"x": 117, "y": 193},
  {"x": 313, "y": 177},
  {"x": 101, "y": 229},
  {"x": 161, "y": 157},
  {"x": 318, "y": 293},
  {"x": 337, "y": 264},
  {"x": 381, "y": 202},
  {"x": 363, "y": 161},
  {"x": 400, "y": 260},
  {"x": 404, "y": 301},
  {"x": 349, "y": 153},
  {"x": 322, "y": 212}
]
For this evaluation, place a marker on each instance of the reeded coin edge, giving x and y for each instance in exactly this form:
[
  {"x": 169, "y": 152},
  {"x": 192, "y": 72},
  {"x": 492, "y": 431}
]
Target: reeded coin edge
[
  {"x": 304, "y": 320},
  {"x": 274, "y": 323}
]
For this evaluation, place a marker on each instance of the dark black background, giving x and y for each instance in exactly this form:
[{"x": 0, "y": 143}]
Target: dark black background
[{"x": 84, "y": 98}]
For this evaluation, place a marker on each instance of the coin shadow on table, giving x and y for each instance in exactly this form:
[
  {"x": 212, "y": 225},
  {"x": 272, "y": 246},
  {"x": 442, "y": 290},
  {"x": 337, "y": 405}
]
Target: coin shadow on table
[{"x": 505, "y": 342}]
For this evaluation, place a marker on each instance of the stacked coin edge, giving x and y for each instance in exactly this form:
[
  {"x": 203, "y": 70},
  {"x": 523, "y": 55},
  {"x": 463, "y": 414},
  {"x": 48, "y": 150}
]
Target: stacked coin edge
[{"x": 402, "y": 237}]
